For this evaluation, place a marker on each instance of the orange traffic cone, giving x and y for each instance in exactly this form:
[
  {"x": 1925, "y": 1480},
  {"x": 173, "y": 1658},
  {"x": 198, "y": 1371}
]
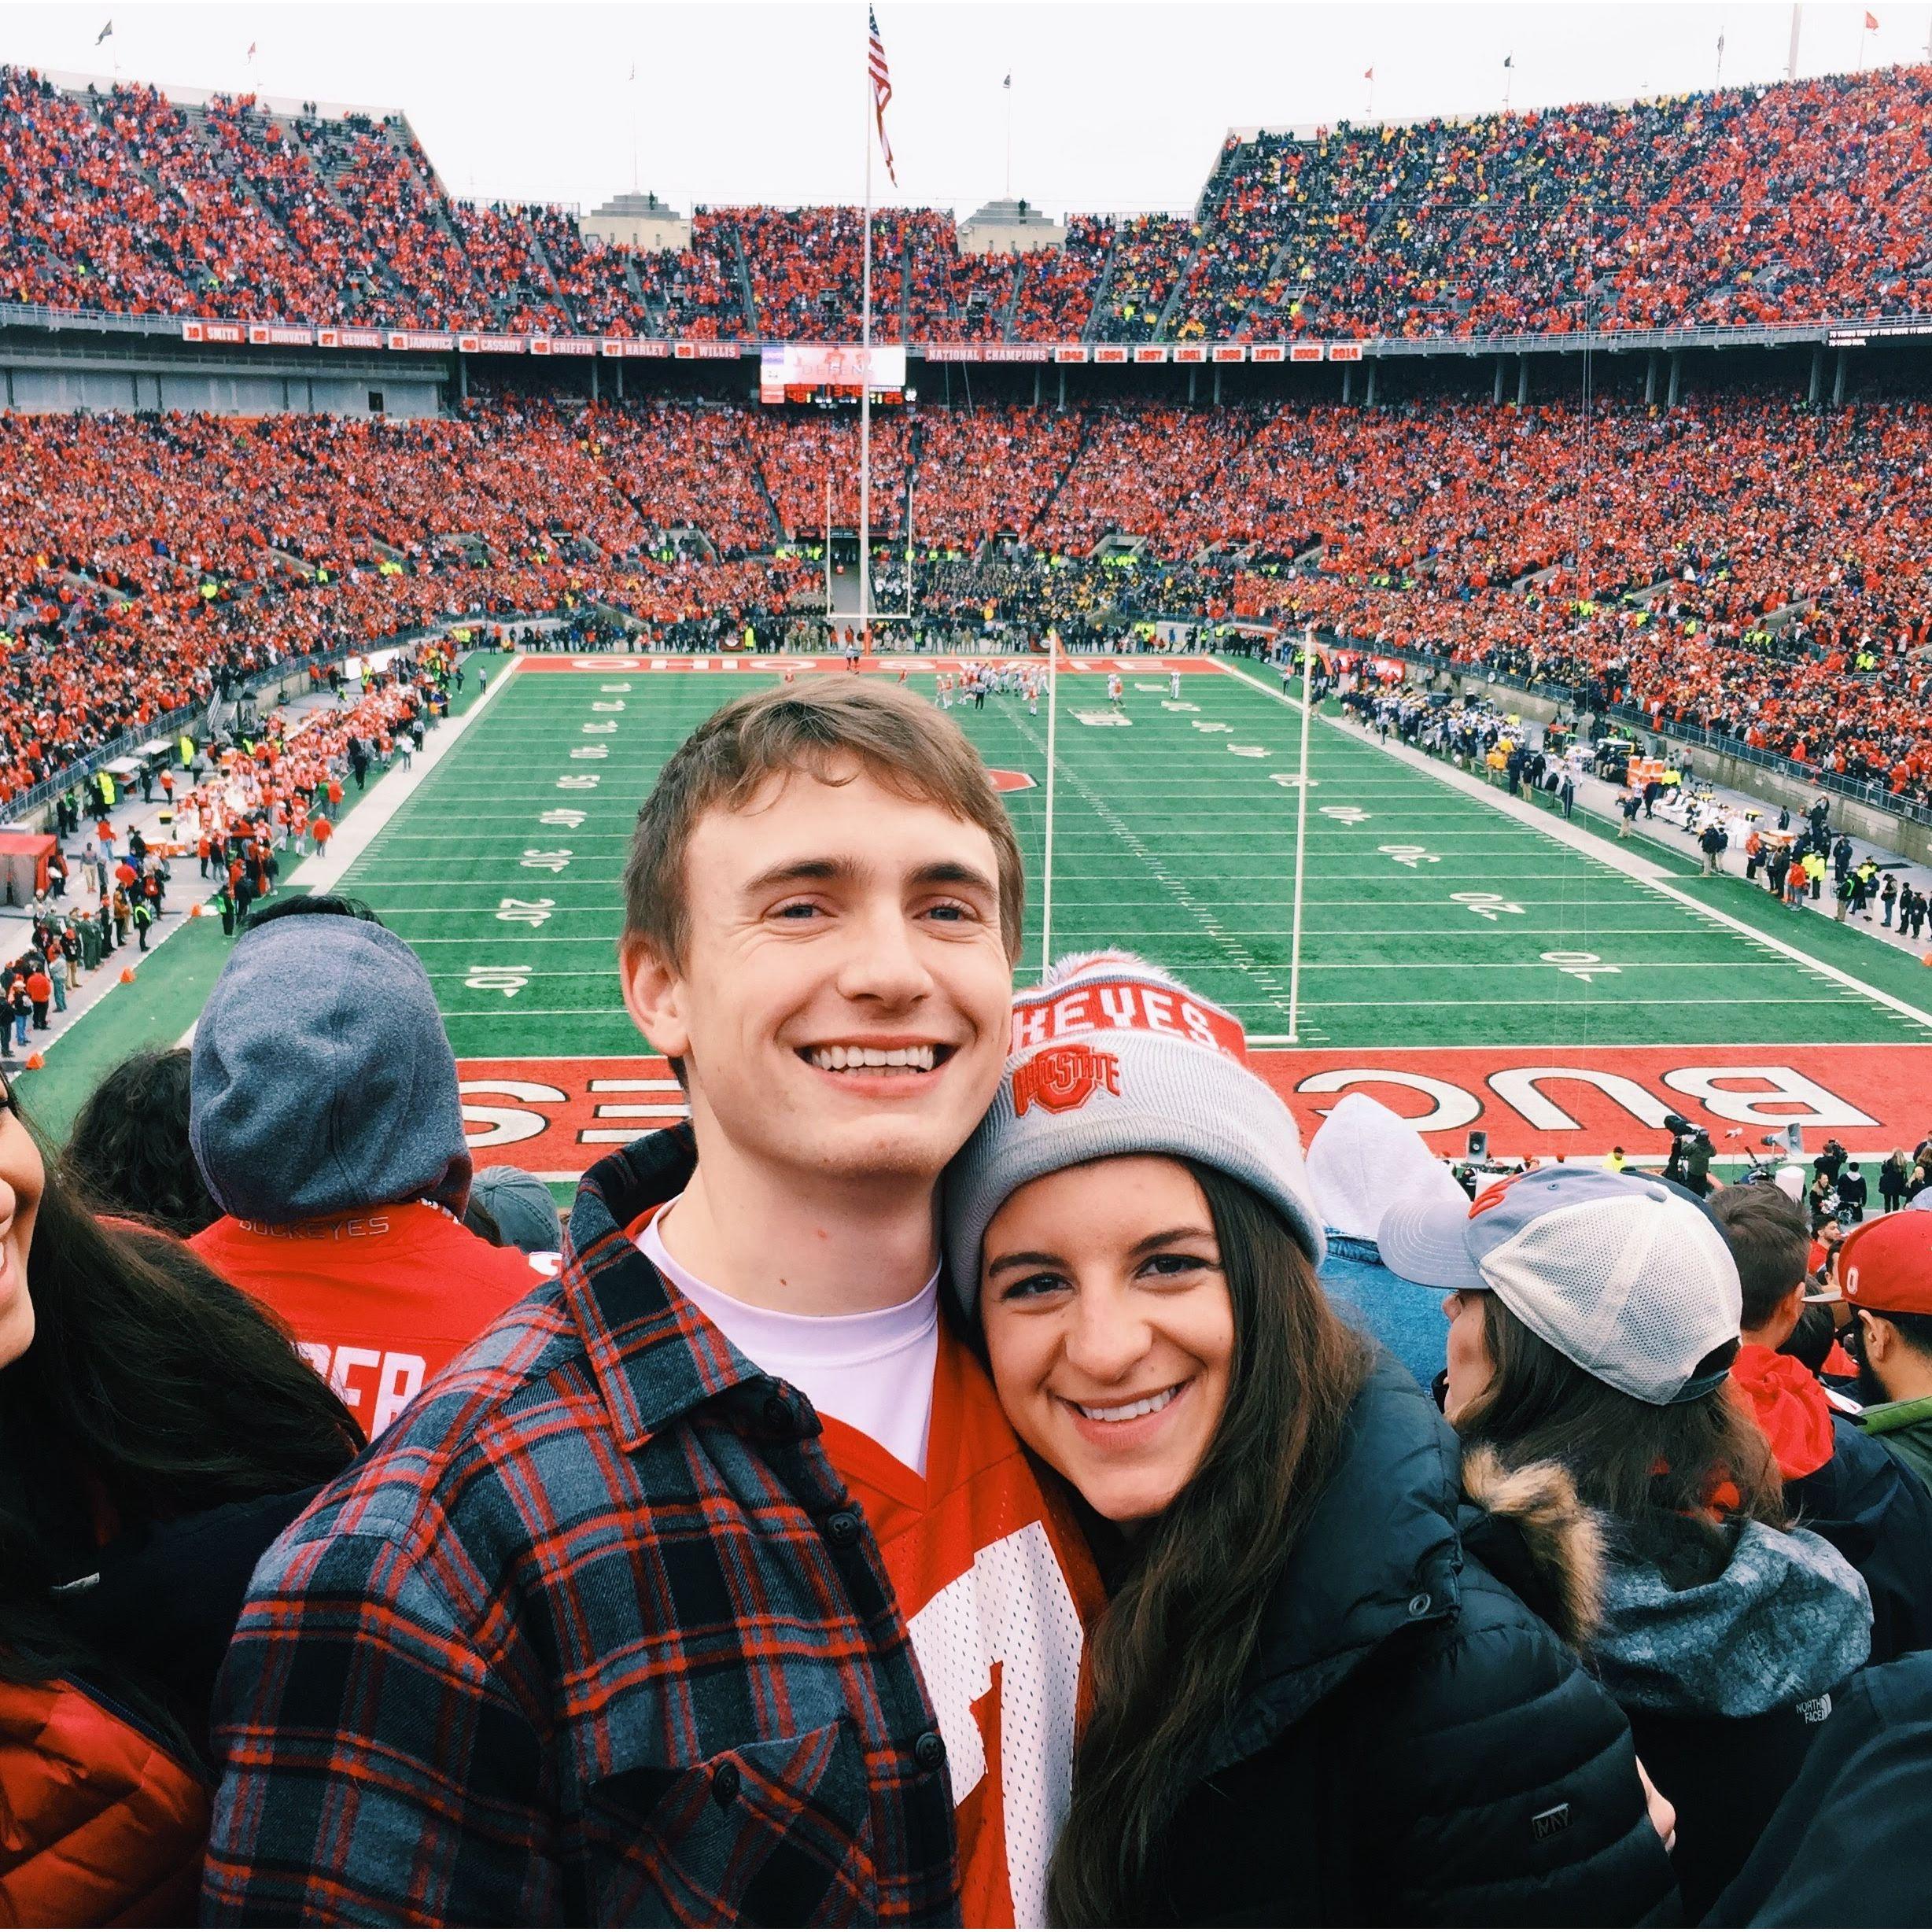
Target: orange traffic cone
[
  {"x": 35, "y": 1062},
  {"x": 196, "y": 910},
  {"x": 128, "y": 975}
]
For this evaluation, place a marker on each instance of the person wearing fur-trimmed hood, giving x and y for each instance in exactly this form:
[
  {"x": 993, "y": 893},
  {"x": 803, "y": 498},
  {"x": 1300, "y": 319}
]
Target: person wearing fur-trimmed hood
[{"x": 1595, "y": 1319}]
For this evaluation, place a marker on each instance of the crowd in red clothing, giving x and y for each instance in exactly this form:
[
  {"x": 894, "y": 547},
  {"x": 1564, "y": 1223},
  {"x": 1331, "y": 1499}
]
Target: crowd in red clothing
[
  {"x": 1751, "y": 205},
  {"x": 799, "y": 454},
  {"x": 1056, "y": 298},
  {"x": 1141, "y": 472},
  {"x": 142, "y": 561},
  {"x": 1740, "y": 563}
]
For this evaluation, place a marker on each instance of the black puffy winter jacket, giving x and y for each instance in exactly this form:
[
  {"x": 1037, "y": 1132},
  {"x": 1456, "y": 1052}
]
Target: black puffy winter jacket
[{"x": 1412, "y": 1745}]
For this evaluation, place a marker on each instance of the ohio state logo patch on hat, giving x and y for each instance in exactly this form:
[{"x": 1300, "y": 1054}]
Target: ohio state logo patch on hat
[{"x": 1063, "y": 1077}]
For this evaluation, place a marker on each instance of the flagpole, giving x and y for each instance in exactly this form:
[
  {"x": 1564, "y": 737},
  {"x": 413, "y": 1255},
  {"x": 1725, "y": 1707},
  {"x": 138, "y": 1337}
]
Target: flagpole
[
  {"x": 865, "y": 377},
  {"x": 1791, "y": 65},
  {"x": 1301, "y": 839},
  {"x": 1053, "y": 722},
  {"x": 1720, "y": 80},
  {"x": 1009, "y": 136}
]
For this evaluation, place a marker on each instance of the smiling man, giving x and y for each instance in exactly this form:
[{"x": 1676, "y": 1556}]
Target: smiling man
[{"x": 712, "y": 1586}]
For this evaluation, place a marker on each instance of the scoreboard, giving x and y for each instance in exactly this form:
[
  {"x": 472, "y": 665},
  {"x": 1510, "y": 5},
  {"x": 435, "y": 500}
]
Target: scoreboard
[{"x": 798, "y": 372}]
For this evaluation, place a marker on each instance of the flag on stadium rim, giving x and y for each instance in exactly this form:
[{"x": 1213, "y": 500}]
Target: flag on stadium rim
[
  {"x": 1871, "y": 23},
  {"x": 882, "y": 89},
  {"x": 104, "y": 33}
]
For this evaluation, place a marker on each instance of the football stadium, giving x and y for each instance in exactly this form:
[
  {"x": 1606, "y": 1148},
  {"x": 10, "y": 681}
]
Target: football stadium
[{"x": 1431, "y": 640}]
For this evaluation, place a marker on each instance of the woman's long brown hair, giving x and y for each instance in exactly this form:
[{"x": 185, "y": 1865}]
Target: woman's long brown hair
[
  {"x": 1649, "y": 1468},
  {"x": 1169, "y": 1654}
]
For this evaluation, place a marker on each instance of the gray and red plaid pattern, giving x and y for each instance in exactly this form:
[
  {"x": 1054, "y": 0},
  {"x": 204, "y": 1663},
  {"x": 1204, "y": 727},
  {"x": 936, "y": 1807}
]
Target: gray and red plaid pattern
[{"x": 571, "y": 1644}]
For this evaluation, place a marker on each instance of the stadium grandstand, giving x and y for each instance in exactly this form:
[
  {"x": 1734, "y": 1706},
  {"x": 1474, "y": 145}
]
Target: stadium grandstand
[
  {"x": 1753, "y": 208},
  {"x": 1162, "y": 388},
  {"x": 598, "y": 810}
]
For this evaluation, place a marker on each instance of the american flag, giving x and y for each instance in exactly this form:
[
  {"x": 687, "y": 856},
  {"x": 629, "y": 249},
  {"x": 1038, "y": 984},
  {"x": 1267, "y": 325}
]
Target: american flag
[{"x": 882, "y": 89}]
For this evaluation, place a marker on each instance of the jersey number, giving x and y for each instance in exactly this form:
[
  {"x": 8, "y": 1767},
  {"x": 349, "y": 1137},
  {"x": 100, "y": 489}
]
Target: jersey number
[{"x": 1013, "y": 1609}]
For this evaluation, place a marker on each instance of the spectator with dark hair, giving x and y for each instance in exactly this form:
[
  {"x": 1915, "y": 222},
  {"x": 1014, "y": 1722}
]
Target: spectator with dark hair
[
  {"x": 128, "y": 1147},
  {"x": 1854, "y": 1492},
  {"x": 324, "y": 1114},
  {"x": 1885, "y": 1271},
  {"x": 156, "y": 1432},
  {"x": 1593, "y": 1319}
]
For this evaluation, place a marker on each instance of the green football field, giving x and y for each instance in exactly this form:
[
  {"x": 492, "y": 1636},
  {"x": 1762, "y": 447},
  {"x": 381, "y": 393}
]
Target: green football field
[{"x": 1433, "y": 918}]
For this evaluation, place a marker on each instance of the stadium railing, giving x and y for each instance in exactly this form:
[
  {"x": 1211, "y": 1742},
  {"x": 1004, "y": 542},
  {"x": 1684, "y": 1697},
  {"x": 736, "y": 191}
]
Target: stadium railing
[{"x": 1825, "y": 329}]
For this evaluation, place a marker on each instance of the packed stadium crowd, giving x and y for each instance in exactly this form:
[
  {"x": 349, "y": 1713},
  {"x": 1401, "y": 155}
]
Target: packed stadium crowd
[
  {"x": 982, "y": 1467},
  {"x": 1744, "y": 207},
  {"x": 1561, "y": 1556},
  {"x": 1740, "y": 565}
]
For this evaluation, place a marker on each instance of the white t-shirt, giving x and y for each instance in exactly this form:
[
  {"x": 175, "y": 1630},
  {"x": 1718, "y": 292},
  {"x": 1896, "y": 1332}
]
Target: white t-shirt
[{"x": 873, "y": 1371}]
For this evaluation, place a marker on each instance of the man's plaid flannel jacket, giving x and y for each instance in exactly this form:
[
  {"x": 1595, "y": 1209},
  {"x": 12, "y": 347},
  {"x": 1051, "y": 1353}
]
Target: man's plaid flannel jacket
[{"x": 595, "y": 1633}]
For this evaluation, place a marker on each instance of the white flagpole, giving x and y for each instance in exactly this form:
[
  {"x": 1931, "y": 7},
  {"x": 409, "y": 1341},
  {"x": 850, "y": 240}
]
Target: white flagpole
[
  {"x": 1301, "y": 840},
  {"x": 1052, "y": 721},
  {"x": 865, "y": 377},
  {"x": 1009, "y": 136}
]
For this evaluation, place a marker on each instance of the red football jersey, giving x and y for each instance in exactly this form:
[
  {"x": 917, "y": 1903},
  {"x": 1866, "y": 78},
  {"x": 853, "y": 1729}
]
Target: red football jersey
[
  {"x": 998, "y": 1589},
  {"x": 378, "y": 1302}
]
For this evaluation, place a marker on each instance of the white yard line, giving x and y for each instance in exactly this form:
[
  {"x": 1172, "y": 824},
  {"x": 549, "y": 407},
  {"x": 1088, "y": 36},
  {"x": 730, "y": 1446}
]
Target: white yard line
[{"x": 1603, "y": 852}]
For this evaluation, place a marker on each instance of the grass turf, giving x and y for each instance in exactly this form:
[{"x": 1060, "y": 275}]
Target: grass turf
[{"x": 1430, "y": 916}]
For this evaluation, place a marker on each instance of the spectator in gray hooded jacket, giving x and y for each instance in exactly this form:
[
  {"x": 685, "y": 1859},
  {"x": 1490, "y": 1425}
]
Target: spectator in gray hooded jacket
[{"x": 1593, "y": 1319}]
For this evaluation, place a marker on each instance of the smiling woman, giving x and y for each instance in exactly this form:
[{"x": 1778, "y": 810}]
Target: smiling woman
[
  {"x": 157, "y": 1431},
  {"x": 1131, "y": 1228}
]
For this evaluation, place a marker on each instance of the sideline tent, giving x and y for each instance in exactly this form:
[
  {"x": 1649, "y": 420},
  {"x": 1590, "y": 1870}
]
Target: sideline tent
[{"x": 24, "y": 856}]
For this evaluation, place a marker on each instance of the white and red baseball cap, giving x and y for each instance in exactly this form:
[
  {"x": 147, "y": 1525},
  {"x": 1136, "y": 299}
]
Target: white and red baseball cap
[{"x": 1628, "y": 1276}]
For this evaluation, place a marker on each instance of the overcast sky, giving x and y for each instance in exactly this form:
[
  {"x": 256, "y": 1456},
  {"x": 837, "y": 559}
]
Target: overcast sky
[{"x": 1115, "y": 106}]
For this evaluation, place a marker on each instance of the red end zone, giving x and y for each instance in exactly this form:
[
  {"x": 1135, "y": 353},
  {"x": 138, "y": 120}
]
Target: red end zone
[{"x": 557, "y": 1116}]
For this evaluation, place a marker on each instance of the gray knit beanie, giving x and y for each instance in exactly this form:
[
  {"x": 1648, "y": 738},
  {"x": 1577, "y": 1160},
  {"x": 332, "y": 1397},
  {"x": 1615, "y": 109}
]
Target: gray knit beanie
[
  {"x": 1111, "y": 1056},
  {"x": 322, "y": 1081}
]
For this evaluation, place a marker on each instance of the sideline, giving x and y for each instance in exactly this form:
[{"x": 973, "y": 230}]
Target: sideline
[
  {"x": 173, "y": 980},
  {"x": 1642, "y": 871},
  {"x": 320, "y": 872}
]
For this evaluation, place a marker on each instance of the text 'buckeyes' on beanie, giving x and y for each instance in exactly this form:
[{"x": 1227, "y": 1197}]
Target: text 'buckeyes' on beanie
[
  {"x": 1112, "y": 1056},
  {"x": 321, "y": 1080}
]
